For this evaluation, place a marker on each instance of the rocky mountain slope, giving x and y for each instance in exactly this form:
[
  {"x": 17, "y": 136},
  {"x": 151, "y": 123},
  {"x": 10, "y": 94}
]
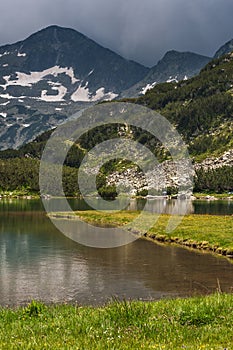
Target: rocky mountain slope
[
  {"x": 52, "y": 74},
  {"x": 174, "y": 66},
  {"x": 201, "y": 108},
  {"x": 225, "y": 49},
  {"x": 68, "y": 65},
  {"x": 57, "y": 72}
]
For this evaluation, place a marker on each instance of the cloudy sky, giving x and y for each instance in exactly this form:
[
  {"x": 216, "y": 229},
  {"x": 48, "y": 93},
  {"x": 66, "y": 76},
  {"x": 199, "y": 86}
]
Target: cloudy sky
[{"x": 142, "y": 30}]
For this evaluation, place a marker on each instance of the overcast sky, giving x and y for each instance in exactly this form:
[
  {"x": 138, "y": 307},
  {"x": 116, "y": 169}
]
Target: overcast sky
[{"x": 142, "y": 30}]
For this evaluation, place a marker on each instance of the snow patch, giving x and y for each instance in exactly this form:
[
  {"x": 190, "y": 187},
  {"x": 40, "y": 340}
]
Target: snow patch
[
  {"x": 5, "y": 53},
  {"x": 27, "y": 80},
  {"x": 110, "y": 96},
  {"x": 54, "y": 98},
  {"x": 5, "y": 65},
  {"x": 6, "y": 78},
  {"x": 9, "y": 97},
  {"x": 4, "y": 115},
  {"x": 4, "y": 103},
  {"x": 185, "y": 77},
  {"x": 99, "y": 94},
  {"x": 26, "y": 125},
  {"x": 21, "y": 54},
  {"x": 53, "y": 83},
  {"x": 147, "y": 88},
  {"x": 90, "y": 72},
  {"x": 172, "y": 80},
  {"x": 81, "y": 94}
]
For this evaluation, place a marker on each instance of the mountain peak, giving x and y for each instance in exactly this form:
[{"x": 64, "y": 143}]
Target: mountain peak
[
  {"x": 54, "y": 29},
  {"x": 179, "y": 55},
  {"x": 225, "y": 49},
  {"x": 174, "y": 66},
  {"x": 52, "y": 74},
  {"x": 55, "y": 34},
  {"x": 172, "y": 53},
  {"x": 178, "y": 65},
  {"x": 65, "y": 47}
]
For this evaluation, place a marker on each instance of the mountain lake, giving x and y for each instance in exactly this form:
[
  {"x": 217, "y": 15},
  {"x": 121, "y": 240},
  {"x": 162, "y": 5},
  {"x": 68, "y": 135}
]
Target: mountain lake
[{"x": 39, "y": 262}]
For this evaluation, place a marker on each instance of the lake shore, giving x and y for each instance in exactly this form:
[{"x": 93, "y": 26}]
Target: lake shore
[
  {"x": 28, "y": 194},
  {"x": 209, "y": 233},
  {"x": 194, "y": 323}
]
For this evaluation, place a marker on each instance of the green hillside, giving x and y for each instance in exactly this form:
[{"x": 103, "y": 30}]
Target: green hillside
[{"x": 201, "y": 108}]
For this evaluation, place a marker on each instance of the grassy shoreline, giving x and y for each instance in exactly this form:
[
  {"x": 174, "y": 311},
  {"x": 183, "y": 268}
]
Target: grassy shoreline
[
  {"x": 192, "y": 323},
  {"x": 219, "y": 196},
  {"x": 28, "y": 194},
  {"x": 210, "y": 233},
  {"x": 22, "y": 194}
]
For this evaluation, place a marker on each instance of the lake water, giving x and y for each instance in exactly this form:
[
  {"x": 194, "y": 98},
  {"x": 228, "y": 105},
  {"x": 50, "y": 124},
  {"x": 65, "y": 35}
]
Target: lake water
[
  {"x": 214, "y": 207},
  {"x": 39, "y": 262}
]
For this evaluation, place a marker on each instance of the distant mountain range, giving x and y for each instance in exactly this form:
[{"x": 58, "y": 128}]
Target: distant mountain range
[
  {"x": 201, "y": 108},
  {"x": 56, "y": 72}
]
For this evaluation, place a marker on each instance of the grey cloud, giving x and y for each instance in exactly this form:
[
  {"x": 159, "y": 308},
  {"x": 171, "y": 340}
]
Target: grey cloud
[{"x": 139, "y": 30}]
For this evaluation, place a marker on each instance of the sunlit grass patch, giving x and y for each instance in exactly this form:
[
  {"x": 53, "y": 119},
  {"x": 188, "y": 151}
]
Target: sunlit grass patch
[
  {"x": 193, "y": 323},
  {"x": 207, "y": 232}
]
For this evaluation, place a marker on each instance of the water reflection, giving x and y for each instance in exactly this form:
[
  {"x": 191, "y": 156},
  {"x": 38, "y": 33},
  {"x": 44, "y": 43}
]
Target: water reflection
[
  {"x": 219, "y": 207},
  {"x": 38, "y": 262},
  {"x": 163, "y": 205}
]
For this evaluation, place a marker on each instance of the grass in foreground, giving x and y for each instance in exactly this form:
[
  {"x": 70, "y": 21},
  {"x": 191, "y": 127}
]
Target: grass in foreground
[{"x": 195, "y": 323}]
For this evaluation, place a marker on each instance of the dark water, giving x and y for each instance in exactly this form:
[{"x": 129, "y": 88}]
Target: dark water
[
  {"x": 38, "y": 262},
  {"x": 218, "y": 207}
]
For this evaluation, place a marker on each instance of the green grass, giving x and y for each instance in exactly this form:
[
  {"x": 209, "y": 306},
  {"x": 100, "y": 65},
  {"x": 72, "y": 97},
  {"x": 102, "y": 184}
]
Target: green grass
[
  {"x": 208, "y": 232},
  {"x": 195, "y": 323},
  {"x": 202, "y": 195},
  {"x": 23, "y": 192}
]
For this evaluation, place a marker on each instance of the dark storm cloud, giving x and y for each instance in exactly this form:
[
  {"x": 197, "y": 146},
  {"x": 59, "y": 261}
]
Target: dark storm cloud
[{"x": 139, "y": 30}]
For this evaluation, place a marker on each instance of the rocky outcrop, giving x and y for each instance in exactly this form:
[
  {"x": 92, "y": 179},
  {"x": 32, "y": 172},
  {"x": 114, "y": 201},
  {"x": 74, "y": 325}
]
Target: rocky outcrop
[
  {"x": 167, "y": 174},
  {"x": 226, "y": 159}
]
